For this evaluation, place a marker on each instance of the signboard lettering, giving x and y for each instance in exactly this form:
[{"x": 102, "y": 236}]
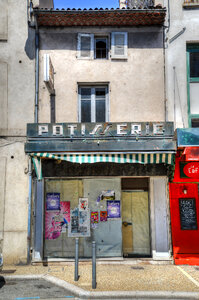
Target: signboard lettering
[
  {"x": 103, "y": 129},
  {"x": 189, "y": 170}
]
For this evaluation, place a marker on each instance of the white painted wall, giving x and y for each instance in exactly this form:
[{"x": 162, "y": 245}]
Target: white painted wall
[{"x": 176, "y": 57}]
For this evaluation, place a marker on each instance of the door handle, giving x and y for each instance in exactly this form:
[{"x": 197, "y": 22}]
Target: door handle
[{"x": 126, "y": 223}]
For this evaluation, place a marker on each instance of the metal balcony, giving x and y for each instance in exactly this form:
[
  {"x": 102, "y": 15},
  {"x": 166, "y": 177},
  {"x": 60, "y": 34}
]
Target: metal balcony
[{"x": 140, "y": 4}]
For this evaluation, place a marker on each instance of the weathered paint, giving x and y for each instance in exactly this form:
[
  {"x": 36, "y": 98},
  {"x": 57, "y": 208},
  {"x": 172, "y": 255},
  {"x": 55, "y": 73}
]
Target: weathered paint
[{"x": 136, "y": 85}]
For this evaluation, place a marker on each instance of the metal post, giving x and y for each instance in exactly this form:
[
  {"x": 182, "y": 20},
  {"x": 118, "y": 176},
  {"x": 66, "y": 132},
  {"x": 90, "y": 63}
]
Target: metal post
[
  {"x": 76, "y": 258},
  {"x": 93, "y": 265}
]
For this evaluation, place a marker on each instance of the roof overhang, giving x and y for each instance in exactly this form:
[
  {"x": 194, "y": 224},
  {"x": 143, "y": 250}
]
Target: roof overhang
[{"x": 100, "y": 17}]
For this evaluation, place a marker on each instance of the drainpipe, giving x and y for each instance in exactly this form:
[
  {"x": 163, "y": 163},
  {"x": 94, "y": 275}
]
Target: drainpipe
[
  {"x": 36, "y": 71},
  {"x": 29, "y": 208}
]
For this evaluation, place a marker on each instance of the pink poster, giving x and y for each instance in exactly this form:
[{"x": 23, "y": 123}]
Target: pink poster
[{"x": 56, "y": 222}]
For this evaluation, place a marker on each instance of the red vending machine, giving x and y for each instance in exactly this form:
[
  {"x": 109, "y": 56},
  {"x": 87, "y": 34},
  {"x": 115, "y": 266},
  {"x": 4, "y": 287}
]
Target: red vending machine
[{"x": 184, "y": 206}]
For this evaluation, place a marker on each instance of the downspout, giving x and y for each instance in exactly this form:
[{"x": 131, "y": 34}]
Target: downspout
[
  {"x": 36, "y": 70},
  {"x": 29, "y": 208}
]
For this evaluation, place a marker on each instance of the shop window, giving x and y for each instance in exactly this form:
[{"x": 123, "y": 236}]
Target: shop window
[
  {"x": 93, "y": 104},
  {"x": 193, "y": 84},
  {"x": 92, "y": 46}
]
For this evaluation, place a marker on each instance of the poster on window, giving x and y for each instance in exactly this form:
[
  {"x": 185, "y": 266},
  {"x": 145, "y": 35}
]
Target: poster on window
[
  {"x": 53, "y": 201},
  {"x": 103, "y": 216},
  {"x": 83, "y": 204},
  {"x": 79, "y": 225},
  {"x": 56, "y": 222},
  {"x": 113, "y": 209}
]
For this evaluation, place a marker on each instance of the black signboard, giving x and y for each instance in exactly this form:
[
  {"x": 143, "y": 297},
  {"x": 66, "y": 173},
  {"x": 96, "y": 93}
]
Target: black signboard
[{"x": 188, "y": 219}]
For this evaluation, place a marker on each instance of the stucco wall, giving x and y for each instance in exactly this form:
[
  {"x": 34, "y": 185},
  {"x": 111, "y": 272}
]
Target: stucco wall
[
  {"x": 17, "y": 87},
  {"x": 136, "y": 85},
  {"x": 13, "y": 200},
  {"x": 17, "y": 52},
  {"x": 176, "y": 57}
]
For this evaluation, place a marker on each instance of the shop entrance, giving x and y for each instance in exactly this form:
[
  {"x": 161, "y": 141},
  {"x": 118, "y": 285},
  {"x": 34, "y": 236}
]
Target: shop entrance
[{"x": 135, "y": 223}]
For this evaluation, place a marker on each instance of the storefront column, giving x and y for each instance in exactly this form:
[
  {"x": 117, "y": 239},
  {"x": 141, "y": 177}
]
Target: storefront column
[
  {"x": 38, "y": 220},
  {"x": 161, "y": 248}
]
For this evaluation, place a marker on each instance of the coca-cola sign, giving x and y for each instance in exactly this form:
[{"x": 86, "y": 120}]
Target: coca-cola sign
[{"x": 191, "y": 170}]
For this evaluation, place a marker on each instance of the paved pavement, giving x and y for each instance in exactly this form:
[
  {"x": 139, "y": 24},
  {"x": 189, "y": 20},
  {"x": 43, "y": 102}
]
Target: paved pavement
[{"x": 130, "y": 279}]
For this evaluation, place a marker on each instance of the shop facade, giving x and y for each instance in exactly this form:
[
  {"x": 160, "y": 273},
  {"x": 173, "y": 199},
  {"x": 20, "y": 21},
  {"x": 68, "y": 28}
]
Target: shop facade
[
  {"x": 110, "y": 186},
  {"x": 184, "y": 198}
]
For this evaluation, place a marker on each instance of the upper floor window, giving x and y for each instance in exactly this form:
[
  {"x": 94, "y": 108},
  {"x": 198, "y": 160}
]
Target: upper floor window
[
  {"x": 92, "y": 46},
  {"x": 193, "y": 84},
  {"x": 93, "y": 104}
]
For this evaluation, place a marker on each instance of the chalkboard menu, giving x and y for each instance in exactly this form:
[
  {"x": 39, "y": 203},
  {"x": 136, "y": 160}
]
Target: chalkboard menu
[{"x": 188, "y": 219}]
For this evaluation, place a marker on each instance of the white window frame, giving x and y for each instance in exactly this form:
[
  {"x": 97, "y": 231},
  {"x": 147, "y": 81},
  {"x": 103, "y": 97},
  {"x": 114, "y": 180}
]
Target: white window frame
[
  {"x": 93, "y": 102},
  {"x": 113, "y": 55},
  {"x": 80, "y": 35}
]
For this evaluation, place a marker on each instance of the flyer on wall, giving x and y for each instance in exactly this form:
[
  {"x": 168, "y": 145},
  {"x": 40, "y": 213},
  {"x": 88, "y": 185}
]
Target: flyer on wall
[
  {"x": 79, "y": 225},
  {"x": 83, "y": 204},
  {"x": 53, "y": 201},
  {"x": 113, "y": 209},
  {"x": 56, "y": 222},
  {"x": 103, "y": 216}
]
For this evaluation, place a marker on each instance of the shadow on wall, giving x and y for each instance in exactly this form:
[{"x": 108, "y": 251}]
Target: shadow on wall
[
  {"x": 30, "y": 44},
  {"x": 68, "y": 41},
  {"x": 2, "y": 281}
]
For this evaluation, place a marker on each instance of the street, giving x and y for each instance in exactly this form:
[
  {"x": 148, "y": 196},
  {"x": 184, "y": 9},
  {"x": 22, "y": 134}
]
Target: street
[{"x": 31, "y": 289}]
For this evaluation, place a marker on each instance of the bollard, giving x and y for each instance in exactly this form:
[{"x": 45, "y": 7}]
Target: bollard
[
  {"x": 93, "y": 265},
  {"x": 76, "y": 258}
]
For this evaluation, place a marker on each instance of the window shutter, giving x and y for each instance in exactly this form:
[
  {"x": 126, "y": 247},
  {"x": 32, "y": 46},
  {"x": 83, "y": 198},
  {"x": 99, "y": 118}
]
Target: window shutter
[
  {"x": 119, "y": 45},
  {"x": 85, "y": 46}
]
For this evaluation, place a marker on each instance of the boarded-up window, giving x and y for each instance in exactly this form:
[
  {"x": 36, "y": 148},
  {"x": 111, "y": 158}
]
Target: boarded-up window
[
  {"x": 85, "y": 46},
  {"x": 119, "y": 42},
  {"x": 3, "y": 95},
  {"x": 3, "y": 20}
]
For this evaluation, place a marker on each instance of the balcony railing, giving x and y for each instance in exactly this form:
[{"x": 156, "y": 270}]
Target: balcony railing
[
  {"x": 140, "y": 4},
  {"x": 189, "y": 3}
]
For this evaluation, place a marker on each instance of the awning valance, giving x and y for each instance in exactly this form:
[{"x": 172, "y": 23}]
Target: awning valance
[{"x": 139, "y": 158}]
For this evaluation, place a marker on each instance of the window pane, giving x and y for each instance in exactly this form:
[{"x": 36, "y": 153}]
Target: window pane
[
  {"x": 100, "y": 93},
  {"x": 85, "y": 111},
  {"x": 119, "y": 44},
  {"x": 194, "y": 64},
  {"x": 100, "y": 111},
  {"x": 85, "y": 93},
  {"x": 85, "y": 46},
  {"x": 100, "y": 50},
  {"x": 194, "y": 98}
]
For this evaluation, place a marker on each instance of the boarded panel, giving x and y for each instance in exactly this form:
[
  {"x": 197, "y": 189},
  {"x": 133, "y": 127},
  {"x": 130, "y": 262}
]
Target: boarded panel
[
  {"x": 70, "y": 190},
  {"x": 108, "y": 235},
  {"x": 127, "y": 230},
  {"x": 140, "y": 217},
  {"x": 3, "y": 94},
  {"x": 2, "y": 198},
  {"x": 3, "y": 20},
  {"x": 161, "y": 224}
]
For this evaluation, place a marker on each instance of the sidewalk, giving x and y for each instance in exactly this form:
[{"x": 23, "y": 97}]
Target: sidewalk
[{"x": 116, "y": 277}]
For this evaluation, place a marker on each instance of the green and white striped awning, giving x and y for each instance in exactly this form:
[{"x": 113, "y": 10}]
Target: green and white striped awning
[{"x": 140, "y": 158}]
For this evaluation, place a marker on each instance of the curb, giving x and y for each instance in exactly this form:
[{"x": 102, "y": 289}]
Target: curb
[{"x": 83, "y": 294}]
